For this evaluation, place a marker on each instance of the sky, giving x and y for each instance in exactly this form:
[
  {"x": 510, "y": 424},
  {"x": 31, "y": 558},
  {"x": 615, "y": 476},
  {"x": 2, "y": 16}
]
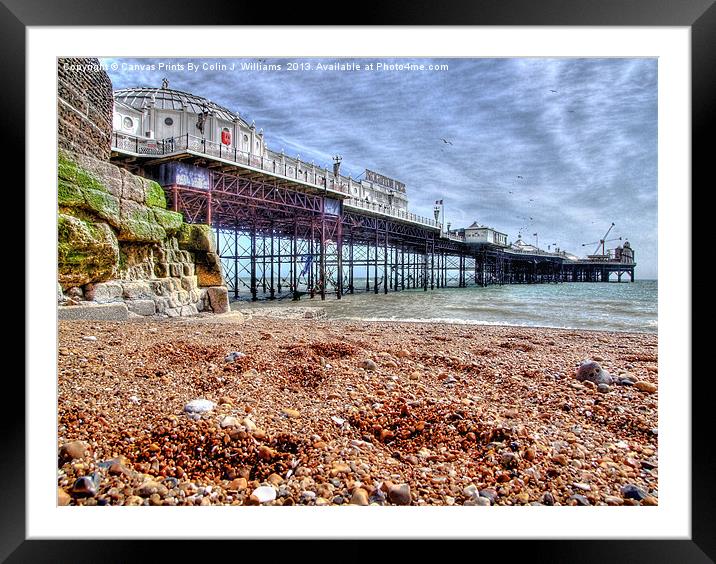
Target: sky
[{"x": 560, "y": 147}]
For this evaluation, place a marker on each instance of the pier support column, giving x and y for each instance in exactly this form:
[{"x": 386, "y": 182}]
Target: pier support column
[{"x": 254, "y": 288}]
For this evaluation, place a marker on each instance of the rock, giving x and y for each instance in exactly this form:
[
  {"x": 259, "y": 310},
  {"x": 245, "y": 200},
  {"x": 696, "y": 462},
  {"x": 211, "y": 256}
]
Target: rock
[
  {"x": 613, "y": 500},
  {"x": 626, "y": 382},
  {"x": 400, "y": 494},
  {"x": 218, "y": 298},
  {"x": 234, "y": 356},
  {"x": 582, "y": 486},
  {"x": 489, "y": 493},
  {"x": 530, "y": 454},
  {"x": 142, "y": 307},
  {"x": 369, "y": 365},
  {"x": 133, "y": 500},
  {"x": 230, "y": 421},
  {"x": 209, "y": 274},
  {"x": 578, "y": 499},
  {"x": 264, "y": 494},
  {"x": 238, "y": 484},
  {"x": 592, "y": 371},
  {"x": 85, "y": 487},
  {"x": 199, "y": 406},
  {"x": 604, "y": 388},
  {"x": 560, "y": 459},
  {"x": 92, "y": 311},
  {"x": 266, "y": 453},
  {"x": 89, "y": 338},
  {"x": 630, "y": 491},
  {"x": 548, "y": 498},
  {"x": 151, "y": 487},
  {"x": 196, "y": 237},
  {"x": 104, "y": 292},
  {"x": 470, "y": 491},
  {"x": 74, "y": 450},
  {"x": 482, "y": 501},
  {"x": 359, "y": 497},
  {"x": 643, "y": 386},
  {"x": 650, "y": 500},
  {"x": 523, "y": 498},
  {"x": 86, "y": 252},
  {"x": 293, "y": 413},
  {"x": 63, "y": 498}
]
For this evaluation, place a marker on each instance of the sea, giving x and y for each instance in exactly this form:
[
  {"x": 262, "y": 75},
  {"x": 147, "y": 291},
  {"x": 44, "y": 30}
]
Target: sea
[{"x": 625, "y": 307}]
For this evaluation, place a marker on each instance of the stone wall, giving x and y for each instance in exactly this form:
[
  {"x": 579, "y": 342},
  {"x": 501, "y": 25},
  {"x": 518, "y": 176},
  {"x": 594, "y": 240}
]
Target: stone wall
[
  {"x": 84, "y": 107},
  {"x": 118, "y": 243}
]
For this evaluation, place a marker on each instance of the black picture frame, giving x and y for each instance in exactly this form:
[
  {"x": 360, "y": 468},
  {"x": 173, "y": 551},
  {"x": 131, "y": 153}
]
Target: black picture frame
[{"x": 699, "y": 15}]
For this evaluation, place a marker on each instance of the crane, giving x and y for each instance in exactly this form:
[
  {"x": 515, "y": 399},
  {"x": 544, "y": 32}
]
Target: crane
[{"x": 603, "y": 240}]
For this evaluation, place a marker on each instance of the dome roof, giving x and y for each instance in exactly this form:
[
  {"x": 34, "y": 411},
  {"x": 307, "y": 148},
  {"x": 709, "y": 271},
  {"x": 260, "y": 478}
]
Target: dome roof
[{"x": 168, "y": 99}]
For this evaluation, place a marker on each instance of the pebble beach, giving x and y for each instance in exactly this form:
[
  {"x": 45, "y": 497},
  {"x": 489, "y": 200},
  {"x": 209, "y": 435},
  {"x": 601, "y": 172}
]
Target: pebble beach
[{"x": 259, "y": 410}]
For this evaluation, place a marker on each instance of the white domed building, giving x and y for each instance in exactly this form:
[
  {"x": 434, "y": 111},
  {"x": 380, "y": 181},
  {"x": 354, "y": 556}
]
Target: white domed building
[{"x": 163, "y": 113}]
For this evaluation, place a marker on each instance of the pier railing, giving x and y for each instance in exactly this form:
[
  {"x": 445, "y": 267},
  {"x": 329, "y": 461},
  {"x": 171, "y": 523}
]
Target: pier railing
[
  {"x": 272, "y": 162},
  {"x": 393, "y": 212}
]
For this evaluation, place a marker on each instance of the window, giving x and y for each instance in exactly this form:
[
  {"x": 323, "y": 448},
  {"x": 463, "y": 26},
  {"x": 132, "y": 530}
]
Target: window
[
  {"x": 246, "y": 138},
  {"x": 169, "y": 121},
  {"x": 128, "y": 123}
]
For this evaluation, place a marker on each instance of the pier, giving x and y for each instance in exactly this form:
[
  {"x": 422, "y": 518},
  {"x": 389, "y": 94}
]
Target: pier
[{"x": 287, "y": 227}]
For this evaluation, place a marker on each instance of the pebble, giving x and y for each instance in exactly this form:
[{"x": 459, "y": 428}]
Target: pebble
[
  {"x": 293, "y": 413},
  {"x": 630, "y": 491},
  {"x": 233, "y": 356},
  {"x": 73, "y": 450},
  {"x": 604, "y": 388},
  {"x": 85, "y": 487},
  {"x": 264, "y": 494},
  {"x": 359, "y": 497},
  {"x": 400, "y": 495},
  {"x": 89, "y": 338},
  {"x": 199, "y": 406},
  {"x": 579, "y": 499},
  {"x": 582, "y": 486},
  {"x": 650, "y": 500},
  {"x": 337, "y": 420},
  {"x": 613, "y": 500},
  {"x": 151, "y": 487},
  {"x": 63, "y": 498},
  {"x": 592, "y": 371},
  {"x": 238, "y": 484},
  {"x": 230, "y": 421},
  {"x": 482, "y": 501},
  {"x": 523, "y": 498},
  {"x": 626, "y": 382},
  {"x": 490, "y": 494},
  {"x": 470, "y": 491},
  {"x": 643, "y": 386},
  {"x": 369, "y": 365},
  {"x": 548, "y": 498}
]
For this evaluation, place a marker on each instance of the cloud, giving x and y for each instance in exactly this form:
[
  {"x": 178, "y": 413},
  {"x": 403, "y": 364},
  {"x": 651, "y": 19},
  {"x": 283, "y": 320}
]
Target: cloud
[{"x": 587, "y": 153}]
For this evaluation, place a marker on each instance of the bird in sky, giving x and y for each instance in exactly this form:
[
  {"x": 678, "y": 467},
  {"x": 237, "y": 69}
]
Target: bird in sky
[
  {"x": 518, "y": 176},
  {"x": 553, "y": 91},
  {"x": 446, "y": 141}
]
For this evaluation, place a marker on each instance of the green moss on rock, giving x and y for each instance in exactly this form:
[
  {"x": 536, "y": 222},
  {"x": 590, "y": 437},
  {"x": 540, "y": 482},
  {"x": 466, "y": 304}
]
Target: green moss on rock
[
  {"x": 171, "y": 221},
  {"x": 196, "y": 237},
  {"x": 104, "y": 205},
  {"x": 155, "y": 196},
  {"x": 86, "y": 252},
  {"x": 70, "y": 171},
  {"x": 68, "y": 194}
]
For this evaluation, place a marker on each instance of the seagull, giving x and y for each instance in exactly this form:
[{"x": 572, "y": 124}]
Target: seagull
[
  {"x": 446, "y": 141},
  {"x": 553, "y": 91},
  {"x": 518, "y": 176}
]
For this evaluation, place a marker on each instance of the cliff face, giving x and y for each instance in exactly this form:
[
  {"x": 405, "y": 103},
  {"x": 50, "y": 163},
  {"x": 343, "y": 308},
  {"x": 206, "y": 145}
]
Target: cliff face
[{"x": 118, "y": 242}]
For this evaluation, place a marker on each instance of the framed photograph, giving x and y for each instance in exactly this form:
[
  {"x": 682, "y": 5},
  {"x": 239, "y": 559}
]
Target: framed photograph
[{"x": 291, "y": 267}]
